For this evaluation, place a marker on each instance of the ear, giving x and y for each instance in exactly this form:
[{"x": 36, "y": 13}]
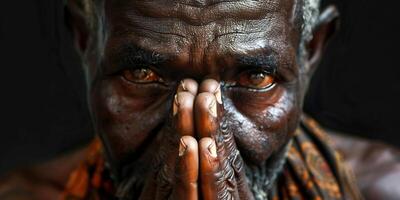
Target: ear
[
  {"x": 326, "y": 27},
  {"x": 77, "y": 20}
]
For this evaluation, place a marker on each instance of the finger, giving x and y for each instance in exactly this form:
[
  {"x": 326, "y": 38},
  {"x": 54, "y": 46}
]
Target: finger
[
  {"x": 235, "y": 161},
  {"x": 206, "y": 115},
  {"x": 237, "y": 165},
  {"x": 211, "y": 86},
  {"x": 207, "y": 125},
  {"x": 217, "y": 181},
  {"x": 188, "y": 85},
  {"x": 183, "y": 113},
  {"x": 187, "y": 170},
  {"x": 210, "y": 175},
  {"x": 231, "y": 163},
  {"x": 182, "y": 124},
  {"x": 208, "y": 112}
]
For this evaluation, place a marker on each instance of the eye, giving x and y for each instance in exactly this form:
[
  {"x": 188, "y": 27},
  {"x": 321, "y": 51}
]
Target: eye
[
  {"x": 256, "y": 79},
  {"x": 141, "y": 75}
]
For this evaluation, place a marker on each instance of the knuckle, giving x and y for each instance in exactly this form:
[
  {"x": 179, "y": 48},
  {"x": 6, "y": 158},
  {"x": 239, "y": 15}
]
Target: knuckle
[
  {"x": 225, "y": 195},
  {"x": 237, "y": 162}
]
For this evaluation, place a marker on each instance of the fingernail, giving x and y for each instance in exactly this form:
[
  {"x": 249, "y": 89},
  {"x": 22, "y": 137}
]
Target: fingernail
[
  {"x": 183, "y": 85},
  {"x": 213, "y": 150},
  {"x": 218, "y": 94},
  {"x": 182, "y": 148},
  {"x": 213, "y": 108},
  {"x": 175, "y": 105}
]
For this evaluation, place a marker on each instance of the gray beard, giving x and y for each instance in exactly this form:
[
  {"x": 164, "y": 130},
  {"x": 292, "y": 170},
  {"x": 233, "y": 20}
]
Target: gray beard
[{"x": 260, "y": 178}]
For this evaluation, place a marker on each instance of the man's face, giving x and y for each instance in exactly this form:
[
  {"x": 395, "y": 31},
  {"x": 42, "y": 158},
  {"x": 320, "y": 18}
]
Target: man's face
[{"x": 249, "y": 47}]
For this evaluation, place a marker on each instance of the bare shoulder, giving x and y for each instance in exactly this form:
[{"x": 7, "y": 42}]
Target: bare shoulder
[
  {"x": 44, "y": 181},
  {"x": 376, "y": 165}
]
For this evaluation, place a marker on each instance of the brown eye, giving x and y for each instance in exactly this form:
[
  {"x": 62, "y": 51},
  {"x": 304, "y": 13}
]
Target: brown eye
[
  {"x": 142, "y": 75},
  {"x": 256, "y": 79}
]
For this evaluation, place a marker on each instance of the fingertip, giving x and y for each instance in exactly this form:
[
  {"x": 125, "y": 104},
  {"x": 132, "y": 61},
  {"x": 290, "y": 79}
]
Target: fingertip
[
  {"x": 187, "y": 170},
  {"x": 183, "y": 113},
  {"x": 188, "y": 85},
  {"x": 184, "y": 100},
  {"x": 204, "y": 98},
  {"x": 190, "y": 143},
  {"x": 189, "y": 158},
  {"x": 209, "y": 85},
  {"x": 206, "y": 103}
]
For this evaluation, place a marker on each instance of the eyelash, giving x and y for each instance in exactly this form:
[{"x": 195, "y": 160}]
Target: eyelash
[{"x": 236, "y": 85}]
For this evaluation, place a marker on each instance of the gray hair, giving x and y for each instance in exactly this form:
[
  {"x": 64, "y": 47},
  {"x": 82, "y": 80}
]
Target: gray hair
[
  {"x": 310, "y": 18},
  {"x": 311, "y": 13}
]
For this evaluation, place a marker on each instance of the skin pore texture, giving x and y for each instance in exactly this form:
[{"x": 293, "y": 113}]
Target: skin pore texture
[
  {"x": 197, "y": 97},
  {"x": 194, "y": 99}
]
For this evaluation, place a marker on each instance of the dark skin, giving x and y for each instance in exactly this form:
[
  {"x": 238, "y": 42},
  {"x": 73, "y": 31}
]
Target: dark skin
[
  {"x": 186, "y": 95},
  {"x": 197, "y": 91}
]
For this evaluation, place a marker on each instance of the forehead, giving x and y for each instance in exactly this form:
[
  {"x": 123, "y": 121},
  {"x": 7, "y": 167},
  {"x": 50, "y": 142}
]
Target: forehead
[
  {"x": 198, "y": 18},
  {"x": 199, "y": 29}
]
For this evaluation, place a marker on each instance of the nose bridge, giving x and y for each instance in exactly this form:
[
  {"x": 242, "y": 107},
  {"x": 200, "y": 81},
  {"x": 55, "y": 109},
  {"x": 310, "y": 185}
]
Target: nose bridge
[
  {"x": 197, "y": 3},
  {"x": 203, "y": 56}
]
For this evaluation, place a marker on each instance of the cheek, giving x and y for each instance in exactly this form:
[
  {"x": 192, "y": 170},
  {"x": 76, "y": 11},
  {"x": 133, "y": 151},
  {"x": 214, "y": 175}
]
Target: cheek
[
  {"x": 126, "y": 120},
  {"x": 262, "y": 125}
]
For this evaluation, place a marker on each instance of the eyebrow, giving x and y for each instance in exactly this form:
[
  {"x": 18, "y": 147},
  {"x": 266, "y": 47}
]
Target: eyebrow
[
  {"x": 130, "y": 55},
  {"x": 263, "y": 61}
]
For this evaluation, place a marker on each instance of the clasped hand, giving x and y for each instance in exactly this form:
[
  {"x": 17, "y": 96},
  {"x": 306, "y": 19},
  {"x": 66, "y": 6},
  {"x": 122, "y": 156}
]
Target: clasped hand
[{"x": 208, "y": 164}]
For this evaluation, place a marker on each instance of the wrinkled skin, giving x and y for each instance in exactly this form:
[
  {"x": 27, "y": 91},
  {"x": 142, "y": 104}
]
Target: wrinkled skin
[{"x": 186, "y": 95}]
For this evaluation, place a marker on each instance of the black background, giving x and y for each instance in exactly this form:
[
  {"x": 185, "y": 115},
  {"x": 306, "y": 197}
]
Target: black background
[
  {"x": 43, "y": 92},
  {"x": 356, "y": 89},
  {"x": 357, "y": 86}
]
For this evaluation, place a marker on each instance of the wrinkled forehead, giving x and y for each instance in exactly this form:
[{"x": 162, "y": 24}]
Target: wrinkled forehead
[
  {"x": 201, "y": 12},
  {"x": 201, "y": 22}
]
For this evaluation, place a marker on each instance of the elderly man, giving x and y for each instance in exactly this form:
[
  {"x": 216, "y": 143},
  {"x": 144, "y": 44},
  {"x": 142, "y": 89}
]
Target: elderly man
[{"x": 198, "y": 99}]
